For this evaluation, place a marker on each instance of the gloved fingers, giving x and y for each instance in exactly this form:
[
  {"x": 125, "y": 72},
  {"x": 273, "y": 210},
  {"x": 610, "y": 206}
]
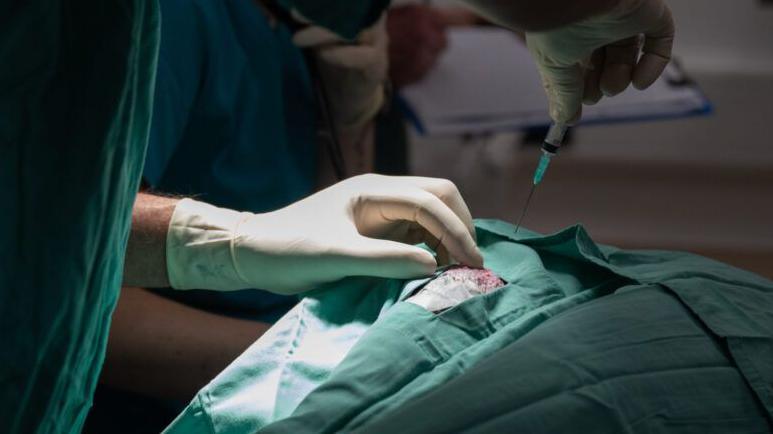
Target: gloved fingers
[
  {"x": 447, "y": 192},
  {"x": 592, "y": 90},
  {"x": 435, "y": 216},
  {"x": 443, "y": 256},
  {"x": 315, "y": 36},
  {"x": 385, "y": 258},
  {"x": 619, "y": 62},
  {"x": 658, "y": 43},
  {"x": 361, "y": 57},
  {"x": 413, "y": 233},
  {"x": 564, "y": 86},
  {"x": 375, "y": 34}
]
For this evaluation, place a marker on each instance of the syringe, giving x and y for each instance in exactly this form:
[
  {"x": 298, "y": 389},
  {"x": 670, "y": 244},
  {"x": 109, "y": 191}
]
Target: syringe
[{"x": 550, "y": 146}]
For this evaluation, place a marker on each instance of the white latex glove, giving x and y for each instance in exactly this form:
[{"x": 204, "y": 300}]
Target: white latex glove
[
  {"x": 357, "y": 227},
  {"x": 581, "y": 61},
  {"x": 353, "y": 72}
]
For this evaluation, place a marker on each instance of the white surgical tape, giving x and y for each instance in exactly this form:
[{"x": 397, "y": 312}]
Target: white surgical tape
[{"x": 454, "y": 286}]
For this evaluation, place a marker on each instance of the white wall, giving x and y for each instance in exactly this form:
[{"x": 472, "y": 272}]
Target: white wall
[{"x": 724, "y": 35}]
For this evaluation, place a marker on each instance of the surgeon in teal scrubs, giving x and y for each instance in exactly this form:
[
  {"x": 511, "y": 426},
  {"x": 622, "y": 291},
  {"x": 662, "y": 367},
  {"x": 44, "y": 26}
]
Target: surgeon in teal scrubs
[
  {"x": 234, "y": 125},
  {"x": 76, "y": 94}
]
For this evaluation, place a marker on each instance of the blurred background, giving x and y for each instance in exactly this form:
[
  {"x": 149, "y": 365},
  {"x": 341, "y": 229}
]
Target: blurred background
[{"x": 702, "y": 184}]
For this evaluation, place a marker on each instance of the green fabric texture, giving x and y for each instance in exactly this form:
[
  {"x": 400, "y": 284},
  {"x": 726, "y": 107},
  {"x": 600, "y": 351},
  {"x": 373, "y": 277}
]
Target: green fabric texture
[
  {"x": 636, "y": 361},
  {"x": 352, "y": 352},
  {"x": 76, "y": 86}
]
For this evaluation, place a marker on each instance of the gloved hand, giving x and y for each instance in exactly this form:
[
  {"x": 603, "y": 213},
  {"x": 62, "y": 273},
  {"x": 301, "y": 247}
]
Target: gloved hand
[
  {"x": 356, "y": 227},
  {"x": 353, "y": 72},
  {"x": 581, "y": 61}
]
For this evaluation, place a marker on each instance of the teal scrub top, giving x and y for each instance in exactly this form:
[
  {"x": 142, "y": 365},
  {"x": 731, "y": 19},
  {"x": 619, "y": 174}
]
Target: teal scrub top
[
  {"x": 233, "y": 119},
  {"x": 76, "y": 81},
  {"x": 233, "y": 123},
  {"x": 696, "y": 335}
]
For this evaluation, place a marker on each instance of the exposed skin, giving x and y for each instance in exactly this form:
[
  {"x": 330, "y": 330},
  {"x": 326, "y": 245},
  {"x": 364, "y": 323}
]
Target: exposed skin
[{"x": 145, "y": 263}]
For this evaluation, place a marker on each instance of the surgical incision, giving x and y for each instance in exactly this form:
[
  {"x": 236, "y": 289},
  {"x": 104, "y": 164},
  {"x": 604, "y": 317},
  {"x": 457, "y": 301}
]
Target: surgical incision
[{"x": 455, "y": 285}]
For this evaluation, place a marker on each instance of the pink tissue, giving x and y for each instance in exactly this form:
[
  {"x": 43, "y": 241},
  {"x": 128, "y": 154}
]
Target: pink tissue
[
  {"x": 485, "y": 280},
  {"x": 455, "y": 285}
]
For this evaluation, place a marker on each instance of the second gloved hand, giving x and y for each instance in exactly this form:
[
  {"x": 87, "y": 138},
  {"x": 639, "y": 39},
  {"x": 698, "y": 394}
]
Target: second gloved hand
[
  {"x": 364, "y": 226},
  {"x": 601, "y": 55},
  {"x": 353, "y": 72}
]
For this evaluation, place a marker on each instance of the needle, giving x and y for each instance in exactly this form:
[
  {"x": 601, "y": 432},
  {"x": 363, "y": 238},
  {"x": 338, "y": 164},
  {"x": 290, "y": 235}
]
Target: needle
[
  {"x": 550, "y": 146},
  {"x": 525, "y": 207}
]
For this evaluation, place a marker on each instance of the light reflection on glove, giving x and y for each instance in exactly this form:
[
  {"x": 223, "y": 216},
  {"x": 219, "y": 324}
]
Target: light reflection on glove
[{"x": 601, "y": 55}]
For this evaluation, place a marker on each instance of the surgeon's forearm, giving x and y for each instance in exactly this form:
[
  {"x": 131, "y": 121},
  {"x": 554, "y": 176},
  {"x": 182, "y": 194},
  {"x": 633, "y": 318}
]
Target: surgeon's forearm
[
  {"x": 532, "y": 15},
  {"x": 165, "y": 349},
  {"x": 145, "y": 263}
]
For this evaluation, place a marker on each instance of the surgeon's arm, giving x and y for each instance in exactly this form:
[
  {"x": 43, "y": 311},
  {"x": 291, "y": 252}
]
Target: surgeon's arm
[
  {"x": 145, "y": 264},
  {"x": 364, "y": 226},
  {"x": 162, "y": 348}
]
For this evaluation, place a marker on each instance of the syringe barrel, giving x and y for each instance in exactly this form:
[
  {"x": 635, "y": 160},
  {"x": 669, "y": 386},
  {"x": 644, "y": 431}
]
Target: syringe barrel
[{"x": 554, "y": 138}]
